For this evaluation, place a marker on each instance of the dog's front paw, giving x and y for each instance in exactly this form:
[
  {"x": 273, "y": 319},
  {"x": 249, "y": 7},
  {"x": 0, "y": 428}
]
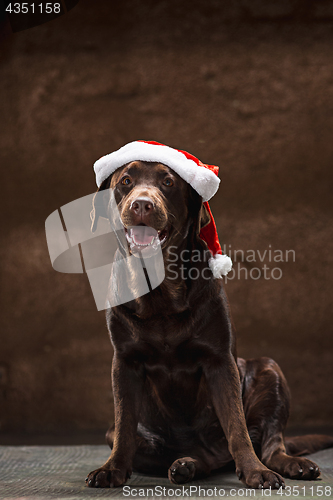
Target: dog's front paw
[
  {"x": 107, "y": 478},
  {"x": 181, "y": 471},
  {"x": 300, "y": 468},
  {"x": 261, "y": 478}
]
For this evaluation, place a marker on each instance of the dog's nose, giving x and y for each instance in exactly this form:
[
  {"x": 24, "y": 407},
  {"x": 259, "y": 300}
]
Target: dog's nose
[{"x": 142, "y": 206}]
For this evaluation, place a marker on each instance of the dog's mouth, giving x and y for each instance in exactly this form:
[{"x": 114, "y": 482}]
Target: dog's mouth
[{"x": 145, "y": 239}]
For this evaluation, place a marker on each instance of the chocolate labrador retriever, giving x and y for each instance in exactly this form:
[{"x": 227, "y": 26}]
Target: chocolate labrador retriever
[{"x": 184, "y": 403}]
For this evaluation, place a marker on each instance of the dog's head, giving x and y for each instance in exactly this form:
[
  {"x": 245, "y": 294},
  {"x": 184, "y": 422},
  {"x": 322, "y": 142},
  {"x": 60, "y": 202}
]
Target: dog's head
[{"x": 156, "y": 206}]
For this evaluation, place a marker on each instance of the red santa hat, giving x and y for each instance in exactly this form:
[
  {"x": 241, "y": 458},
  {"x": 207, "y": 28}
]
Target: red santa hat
[{"x": 203, "y": 179}]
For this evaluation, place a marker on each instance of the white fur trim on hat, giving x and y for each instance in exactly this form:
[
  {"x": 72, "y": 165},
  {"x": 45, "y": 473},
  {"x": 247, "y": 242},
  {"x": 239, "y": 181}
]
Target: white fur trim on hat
[
  {"x": 203, "y": 180},
  {"x": 220, "y": 265}
]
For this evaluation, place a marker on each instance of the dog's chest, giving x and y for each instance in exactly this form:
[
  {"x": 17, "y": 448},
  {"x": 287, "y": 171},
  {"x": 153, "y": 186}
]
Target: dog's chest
[
  {"x": 169, "y": 343},
  {"x": 169, "y": 352}
]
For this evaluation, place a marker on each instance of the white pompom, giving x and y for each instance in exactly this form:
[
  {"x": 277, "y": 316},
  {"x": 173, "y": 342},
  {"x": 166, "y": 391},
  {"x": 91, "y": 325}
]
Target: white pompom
[{"x": 220, "y": 265}]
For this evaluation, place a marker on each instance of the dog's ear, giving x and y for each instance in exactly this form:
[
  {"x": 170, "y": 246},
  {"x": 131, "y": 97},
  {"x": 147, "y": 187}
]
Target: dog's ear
[
  {"x": 99, "y": 205},
  {"x": 204, "y": 217},
  {"x": 198, "y": 211}
]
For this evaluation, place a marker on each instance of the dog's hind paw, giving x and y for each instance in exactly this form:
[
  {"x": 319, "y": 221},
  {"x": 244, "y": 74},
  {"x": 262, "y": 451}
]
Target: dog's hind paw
[
  {"x": 298, "y": 468},
  {"x": 182, "y": 470},
  {"x": 106, "y": 478}
]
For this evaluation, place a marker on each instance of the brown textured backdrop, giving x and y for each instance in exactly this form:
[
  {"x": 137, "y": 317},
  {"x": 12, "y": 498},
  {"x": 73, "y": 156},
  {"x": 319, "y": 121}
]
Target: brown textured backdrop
[{"x": 246, "y": 85}]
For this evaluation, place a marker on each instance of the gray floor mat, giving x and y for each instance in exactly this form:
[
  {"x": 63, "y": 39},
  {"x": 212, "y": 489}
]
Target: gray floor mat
[{"x": 43, "y": 472}]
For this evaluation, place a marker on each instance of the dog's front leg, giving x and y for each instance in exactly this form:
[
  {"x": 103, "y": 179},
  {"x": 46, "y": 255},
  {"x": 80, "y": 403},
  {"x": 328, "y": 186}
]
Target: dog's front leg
[
  {"x": 127, "y": 386},
  {"x": 225, "y": 388}
]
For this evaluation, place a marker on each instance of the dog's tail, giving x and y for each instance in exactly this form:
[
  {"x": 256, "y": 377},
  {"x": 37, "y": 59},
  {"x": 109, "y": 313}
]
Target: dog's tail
[{"x": 304, "y": 445}]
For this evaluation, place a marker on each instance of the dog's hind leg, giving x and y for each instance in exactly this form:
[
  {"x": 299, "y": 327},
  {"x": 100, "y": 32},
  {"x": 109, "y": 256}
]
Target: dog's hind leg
[
  {"x": 266, "y": 401},
  {"x": 310, "y": 443}
]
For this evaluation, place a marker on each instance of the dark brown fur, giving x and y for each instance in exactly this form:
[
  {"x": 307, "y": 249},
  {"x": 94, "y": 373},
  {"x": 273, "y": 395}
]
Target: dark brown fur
[{"x": 184, "y": 404}]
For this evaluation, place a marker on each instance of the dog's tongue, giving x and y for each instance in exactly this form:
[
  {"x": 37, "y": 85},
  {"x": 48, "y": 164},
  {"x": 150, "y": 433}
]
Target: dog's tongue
[{"x": 143, "y": 235}]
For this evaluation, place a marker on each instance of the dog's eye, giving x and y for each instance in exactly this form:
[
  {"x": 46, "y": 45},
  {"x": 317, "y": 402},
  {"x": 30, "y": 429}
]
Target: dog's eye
[
  {"x": 168, "y": 182},
  {"x": 126, "y": 181}
]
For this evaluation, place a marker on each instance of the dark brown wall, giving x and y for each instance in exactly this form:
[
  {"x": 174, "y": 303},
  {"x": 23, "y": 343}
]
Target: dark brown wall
[{"x": 247, "y": 86}]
